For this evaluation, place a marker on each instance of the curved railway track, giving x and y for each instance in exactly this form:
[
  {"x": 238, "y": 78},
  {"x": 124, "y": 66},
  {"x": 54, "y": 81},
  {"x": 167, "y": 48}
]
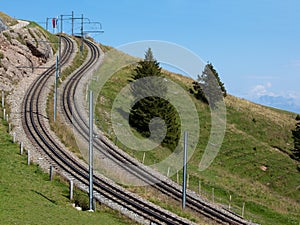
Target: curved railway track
[
  {"x": 80, "y": 123},
  {"x": 33, "y": 123}
]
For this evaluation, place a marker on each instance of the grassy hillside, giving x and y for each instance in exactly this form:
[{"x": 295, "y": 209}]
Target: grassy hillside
[
  {"x": 28, "y": 197},
  {"x": 52, "y": 38},
  {"x": 7, "y": 19},
  {"x": 253, "y": 165}
]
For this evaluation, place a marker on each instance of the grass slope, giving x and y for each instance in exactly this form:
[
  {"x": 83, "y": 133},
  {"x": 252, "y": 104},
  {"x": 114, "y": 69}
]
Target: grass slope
[
  {"x": 26, "y": 194},
  {"x": 253, "y": 165},
  {"x": 7, "y": 19},
  {"x": 28, "y": 197}
]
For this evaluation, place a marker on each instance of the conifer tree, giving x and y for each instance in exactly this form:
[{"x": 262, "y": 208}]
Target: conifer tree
[
  {"x": 153, "y": 104},
  {"x": 208, "y": 88}
]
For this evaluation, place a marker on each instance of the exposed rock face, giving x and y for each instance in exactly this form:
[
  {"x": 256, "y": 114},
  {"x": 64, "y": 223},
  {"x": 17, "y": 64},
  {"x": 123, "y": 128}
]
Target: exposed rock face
[
  {"x": 21, "y": 50},
  {"x": 2, "y": 25}
]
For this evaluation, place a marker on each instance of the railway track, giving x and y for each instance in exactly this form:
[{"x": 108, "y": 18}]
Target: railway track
[
  {"x": 71, "y": 109},
  {"x": 34, "y": 126}
]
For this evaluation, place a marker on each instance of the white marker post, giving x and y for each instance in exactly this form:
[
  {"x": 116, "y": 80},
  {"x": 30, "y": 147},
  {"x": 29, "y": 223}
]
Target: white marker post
[
  {"x": 51, "y": 173},
  {"x": 3, "y": 99},
  {"x": 144, "y": 155},
  {"x": 21, "y": 148},
  {"x": 28, "y": 157},
  {"x": 243, "y": 210},
  {"x": 71, "y": 189}
]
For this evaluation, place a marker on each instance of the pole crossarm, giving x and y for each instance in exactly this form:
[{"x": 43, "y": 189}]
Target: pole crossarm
[
  {"x": 89, "y": 32},
  {"x": 96, "y": 30},
  {"x": 100, "y": 25},
  {"x": 80, "y": 18}
]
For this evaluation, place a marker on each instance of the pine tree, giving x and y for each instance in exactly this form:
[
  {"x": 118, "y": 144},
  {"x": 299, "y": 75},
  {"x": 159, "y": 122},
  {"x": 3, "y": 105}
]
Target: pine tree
[
  {"x": 296, "y": 137},
  {"x": 149, "y": 67},
  {"x": 153, "y": 104},
  {"x": 208, "y": 88},
  {"x": 220, "y": 84}
]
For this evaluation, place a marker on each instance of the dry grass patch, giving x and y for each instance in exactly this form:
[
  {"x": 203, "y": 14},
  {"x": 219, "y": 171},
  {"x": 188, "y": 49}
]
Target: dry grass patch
[
  {"x": 280, "y": 117},
  {"x": 170, "y": 204},
  {"x": 9, "y": 21},
  {"x": 62, "y": 130}
]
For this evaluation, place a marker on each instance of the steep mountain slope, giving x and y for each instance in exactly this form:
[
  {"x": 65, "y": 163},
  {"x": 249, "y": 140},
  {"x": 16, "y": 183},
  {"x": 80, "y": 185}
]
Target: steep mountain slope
[
  {"x": 32, "y": 199},
  {"x": 22, "y": 51},
  {"x": 253, "y": 166},
  {"x": 28, "y": 197}
]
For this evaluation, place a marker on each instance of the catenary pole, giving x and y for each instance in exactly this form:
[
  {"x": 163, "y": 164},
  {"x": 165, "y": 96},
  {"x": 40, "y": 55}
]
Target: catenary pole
[
  {"x": 55, "y": 89},
  {"x": 81, "y": 47},
  {"x": 91, "y": 119},
  {"x": 72, "y": 23},
  {"x": 60, "y": 39}
]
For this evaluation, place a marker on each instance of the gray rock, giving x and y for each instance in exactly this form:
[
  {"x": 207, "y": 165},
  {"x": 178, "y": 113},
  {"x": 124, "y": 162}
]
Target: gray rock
[{"x": 2, "y": 25}]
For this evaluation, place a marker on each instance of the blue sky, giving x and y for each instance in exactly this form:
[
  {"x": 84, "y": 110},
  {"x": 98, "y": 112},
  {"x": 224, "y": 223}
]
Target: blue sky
[{"x": 253, "y": 44}]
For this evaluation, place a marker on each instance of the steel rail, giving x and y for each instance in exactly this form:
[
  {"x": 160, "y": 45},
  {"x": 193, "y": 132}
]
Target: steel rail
[
  {"x": 35, "y": 129},
  {"x": 76, "y": 119}
]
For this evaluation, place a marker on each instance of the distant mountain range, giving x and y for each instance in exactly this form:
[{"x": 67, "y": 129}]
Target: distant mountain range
[{"x": 279, "y": 102}]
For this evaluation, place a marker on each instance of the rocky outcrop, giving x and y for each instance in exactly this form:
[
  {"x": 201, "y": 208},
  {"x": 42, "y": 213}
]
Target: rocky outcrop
[
  {"x": 21, "y": 52},
  {"x": 2, "y": 25}
]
